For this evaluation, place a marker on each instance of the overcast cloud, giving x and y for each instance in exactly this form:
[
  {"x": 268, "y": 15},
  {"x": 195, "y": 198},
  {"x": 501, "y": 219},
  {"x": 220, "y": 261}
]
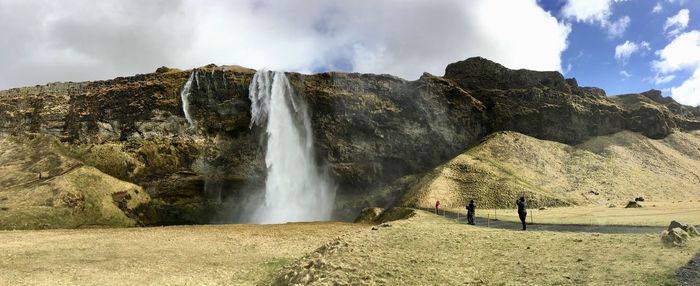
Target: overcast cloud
[{"x": 75, "y": 40}]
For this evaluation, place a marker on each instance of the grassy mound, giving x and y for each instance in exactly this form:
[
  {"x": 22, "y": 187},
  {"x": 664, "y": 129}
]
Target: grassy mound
[
  {"x": 604, "y": 170},
  {"x": 41, "y": 188},
  {"x": 378, "y": 215}
]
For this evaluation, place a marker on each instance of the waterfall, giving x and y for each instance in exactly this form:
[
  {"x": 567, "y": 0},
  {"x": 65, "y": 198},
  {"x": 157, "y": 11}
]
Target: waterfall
[
  {"x": 184, "y": 95},
  {"x": 295, "y": 190}
]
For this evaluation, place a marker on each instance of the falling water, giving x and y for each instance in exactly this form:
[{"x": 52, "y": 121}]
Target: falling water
[
  {"x": 295, "y": 190},
  {"x": 184, "y": 95}
]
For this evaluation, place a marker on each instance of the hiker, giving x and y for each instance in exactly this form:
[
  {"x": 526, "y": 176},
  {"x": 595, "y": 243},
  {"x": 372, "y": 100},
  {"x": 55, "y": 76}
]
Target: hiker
[
  {"x": 471, "y": 209},
  {"x": 437, "y": 206},
  {"x": 522, "y": 212}
]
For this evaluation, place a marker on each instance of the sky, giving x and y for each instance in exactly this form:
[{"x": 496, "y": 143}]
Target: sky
[{"x": 622, "y": 46}]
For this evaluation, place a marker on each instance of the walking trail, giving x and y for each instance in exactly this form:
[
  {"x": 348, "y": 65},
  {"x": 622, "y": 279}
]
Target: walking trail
[{"x": 511, "y": 225}]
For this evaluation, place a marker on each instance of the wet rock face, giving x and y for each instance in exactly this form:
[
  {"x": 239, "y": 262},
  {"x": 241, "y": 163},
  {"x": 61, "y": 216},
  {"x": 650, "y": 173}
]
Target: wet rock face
[
  {"x": 372, "y": 129},
  {"x": 133, "y": 128}
]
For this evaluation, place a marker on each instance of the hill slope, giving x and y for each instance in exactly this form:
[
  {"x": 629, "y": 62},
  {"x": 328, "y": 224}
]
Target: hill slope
[
  {"x": 41, "y": 188},
  {"x": 604, "y": 170}
]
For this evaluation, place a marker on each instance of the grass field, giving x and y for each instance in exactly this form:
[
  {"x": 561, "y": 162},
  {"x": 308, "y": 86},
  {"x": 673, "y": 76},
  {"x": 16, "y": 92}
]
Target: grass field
[
  {"x": 431, "y": 250},
  {"x": 424, "y": 250},
  {"x": 182, "y": 255},
  {"x": 651, "y": 214}
]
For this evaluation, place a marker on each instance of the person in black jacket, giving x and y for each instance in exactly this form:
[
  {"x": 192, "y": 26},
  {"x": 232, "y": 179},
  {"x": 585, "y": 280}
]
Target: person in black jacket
[
  {"x": 522, "y": 211},
  {"x": 471, "y": 209}
]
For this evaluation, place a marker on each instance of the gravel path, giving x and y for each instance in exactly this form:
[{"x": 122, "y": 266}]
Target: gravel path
[
  {"x": 690, "y": 273},
  {"x": 484, "y": 222}
]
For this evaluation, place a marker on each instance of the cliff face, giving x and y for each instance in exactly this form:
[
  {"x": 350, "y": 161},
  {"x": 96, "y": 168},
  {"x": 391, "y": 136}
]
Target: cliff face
[
  {"x": 546, "y": 106},
  {"x": 370, "y": 130}
]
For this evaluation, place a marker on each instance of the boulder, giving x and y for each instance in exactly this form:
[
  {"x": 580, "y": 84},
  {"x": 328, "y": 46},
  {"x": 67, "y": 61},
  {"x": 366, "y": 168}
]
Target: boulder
[
  {"x": 368, "y": 215},
  {"x": 693, "y": 231},
  {"x": 639, "y": 199},
  {"x": 633, "y": 204},
  {"x": 690, "y": 229},
  {"x": 396, "y": 213},
  {"x": 675, "y": 237},
  {"x": 677, "y": 224}
]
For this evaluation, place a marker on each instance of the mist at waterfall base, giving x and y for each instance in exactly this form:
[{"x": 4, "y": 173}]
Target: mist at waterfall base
[{"x": 295, "y": 189}]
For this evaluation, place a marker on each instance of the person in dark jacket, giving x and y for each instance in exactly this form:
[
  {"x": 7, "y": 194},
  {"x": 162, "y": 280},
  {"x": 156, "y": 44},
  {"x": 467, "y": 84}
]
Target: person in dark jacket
[
  {"x": 522, "y": 211},
  {"x": 471, "y": 209}
]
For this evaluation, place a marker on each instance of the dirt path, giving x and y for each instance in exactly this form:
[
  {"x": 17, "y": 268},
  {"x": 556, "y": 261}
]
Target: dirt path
[
  {"x": 620, "y": 229},
  {"x": 690, "y": 273}
]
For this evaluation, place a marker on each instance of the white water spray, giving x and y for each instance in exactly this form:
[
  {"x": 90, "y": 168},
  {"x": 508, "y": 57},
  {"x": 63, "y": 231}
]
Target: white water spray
[
  {"x": 184, "y": 95},
  {"x": 295, "y": 190}
]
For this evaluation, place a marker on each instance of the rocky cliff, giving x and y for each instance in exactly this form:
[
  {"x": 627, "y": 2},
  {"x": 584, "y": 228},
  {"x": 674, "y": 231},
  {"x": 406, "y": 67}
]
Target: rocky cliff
[{"x": 374, "y": 133}]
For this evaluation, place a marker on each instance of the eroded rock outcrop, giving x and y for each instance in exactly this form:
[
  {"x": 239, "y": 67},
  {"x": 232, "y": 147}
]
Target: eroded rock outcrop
[{"x": 546, "y": 106}]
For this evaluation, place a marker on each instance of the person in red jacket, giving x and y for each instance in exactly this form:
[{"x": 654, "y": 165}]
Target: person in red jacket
[{"x": 437, "y": 206}]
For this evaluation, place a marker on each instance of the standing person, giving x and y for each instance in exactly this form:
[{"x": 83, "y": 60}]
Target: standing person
[
  {"x": 522, "y": 211},
  {"x": 471, "y": 209},
  {"x": 437, "y": 207}
]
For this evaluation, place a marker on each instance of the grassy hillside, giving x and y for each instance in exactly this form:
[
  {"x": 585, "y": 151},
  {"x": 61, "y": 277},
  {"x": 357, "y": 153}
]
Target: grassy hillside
[
  {"x": 41, "y": 188},
  {"x": 605, "y": 170}
]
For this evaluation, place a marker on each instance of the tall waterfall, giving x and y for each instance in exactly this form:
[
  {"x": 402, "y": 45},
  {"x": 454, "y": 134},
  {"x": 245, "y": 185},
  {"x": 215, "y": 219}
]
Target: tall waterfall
[
  {"x": 184, "y": 95},
  {"x": 295, "y": 190}
]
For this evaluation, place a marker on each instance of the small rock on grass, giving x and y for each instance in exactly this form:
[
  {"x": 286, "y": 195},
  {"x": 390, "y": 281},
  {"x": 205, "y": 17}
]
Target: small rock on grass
[
  {"x": 675, "y": 237},
  {"x": 633, "y": 204}
]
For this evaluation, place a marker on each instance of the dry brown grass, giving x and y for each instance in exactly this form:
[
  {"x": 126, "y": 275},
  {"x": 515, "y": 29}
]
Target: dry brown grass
[
  {"x": 431, "y": 250},
  {"x": 423, "y": 250},
  {"x": 605, "y": 170},
  {"x": 183, "y": 255},
  {"x": 68, "y": 195}
]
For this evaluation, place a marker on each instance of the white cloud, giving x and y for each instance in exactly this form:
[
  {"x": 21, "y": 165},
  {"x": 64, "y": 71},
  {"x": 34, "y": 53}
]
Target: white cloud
[
  {"x": 625, "y": 50},
  {"x": 657, "y": 8},
  {"x": 677, "y": 23},
  {"x": 681, "y": 53},
  {"x": 596, "y": 12},
  {"x": 659, "y": 79},
  {"x": 87, "y": 40},
  {"x": 568, "y": 69},
  {"x": 589, "y": 11},
  {"x": 688, "y": 92},
  {"x": 617, "y": 29},
  {"x": 625, "y": 74}
]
